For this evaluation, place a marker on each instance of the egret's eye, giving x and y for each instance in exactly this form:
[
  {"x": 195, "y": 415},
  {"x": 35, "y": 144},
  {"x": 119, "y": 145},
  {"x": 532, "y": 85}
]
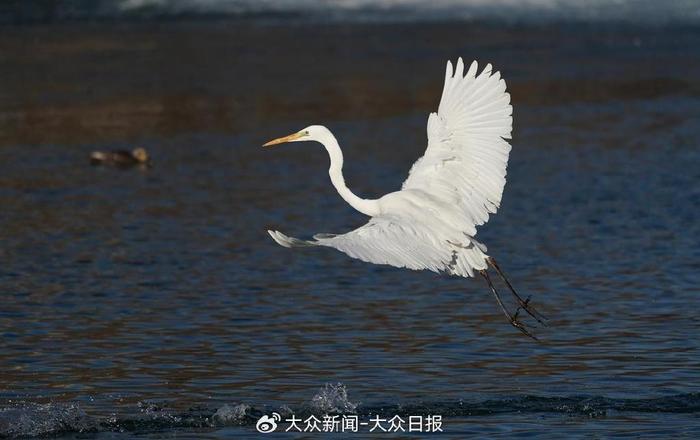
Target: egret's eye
[{"x": 306, "y": 132}]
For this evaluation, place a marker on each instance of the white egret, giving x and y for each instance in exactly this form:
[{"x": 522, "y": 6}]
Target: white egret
[{"x": 431, "y": 222}]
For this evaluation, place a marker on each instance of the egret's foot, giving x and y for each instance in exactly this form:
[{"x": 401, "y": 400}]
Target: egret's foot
[
  {"x": 522, "y": 327},
  {"x": 524, "y": 304},
  {"x": 513, "y": 319}
]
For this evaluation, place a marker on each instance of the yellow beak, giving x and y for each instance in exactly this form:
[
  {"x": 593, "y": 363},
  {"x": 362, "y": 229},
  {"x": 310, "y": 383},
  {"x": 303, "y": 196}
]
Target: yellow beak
[{"x": 284, "y": 139}]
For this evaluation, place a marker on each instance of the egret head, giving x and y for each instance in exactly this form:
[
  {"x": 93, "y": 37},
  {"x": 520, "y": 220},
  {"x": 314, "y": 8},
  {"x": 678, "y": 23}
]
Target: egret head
[{"x": 310, "y": 133}]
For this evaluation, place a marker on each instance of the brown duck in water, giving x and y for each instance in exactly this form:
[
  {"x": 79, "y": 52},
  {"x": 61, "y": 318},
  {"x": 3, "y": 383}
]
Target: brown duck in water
[{"x": 121, "y": 158}]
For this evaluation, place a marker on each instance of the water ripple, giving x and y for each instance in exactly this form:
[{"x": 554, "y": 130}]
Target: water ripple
[{"x": 33, "y": 420}]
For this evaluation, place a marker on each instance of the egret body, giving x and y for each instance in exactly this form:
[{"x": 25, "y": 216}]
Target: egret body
[{"x": 431, "y": 222}]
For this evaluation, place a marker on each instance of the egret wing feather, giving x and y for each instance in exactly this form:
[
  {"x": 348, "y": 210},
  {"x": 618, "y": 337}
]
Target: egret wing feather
[
  {"x": 465, "y": 162},
  {"x": 388, "y": 240},
  {"x": 431, "y": 223},
  {"x": 399, "y": 242}
]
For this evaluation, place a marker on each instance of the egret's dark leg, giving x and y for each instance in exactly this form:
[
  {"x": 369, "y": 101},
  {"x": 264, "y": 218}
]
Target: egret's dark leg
[
  {"x": 524, "y": 303},
  {"x": 512, "y": 318}
]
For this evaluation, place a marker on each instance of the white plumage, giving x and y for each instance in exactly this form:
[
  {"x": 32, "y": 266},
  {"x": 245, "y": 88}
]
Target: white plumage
[{"x": 431, "y": 222}]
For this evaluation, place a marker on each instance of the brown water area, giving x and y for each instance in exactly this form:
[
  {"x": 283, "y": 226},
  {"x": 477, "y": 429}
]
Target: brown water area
[{"x": 67, "y": 84}]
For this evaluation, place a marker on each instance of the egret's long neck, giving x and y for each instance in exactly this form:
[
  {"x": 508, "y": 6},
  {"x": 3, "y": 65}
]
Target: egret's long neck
[{"x": 365, "y": 206}]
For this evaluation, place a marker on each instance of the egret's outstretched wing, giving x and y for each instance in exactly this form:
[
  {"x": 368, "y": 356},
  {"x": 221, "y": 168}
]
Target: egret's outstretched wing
[
  {"x": 383, "y": 240},
  {"x": 397, "y": 242},
  {"x": 465, "y": 162},
  {"x": 431, "y": 222}
]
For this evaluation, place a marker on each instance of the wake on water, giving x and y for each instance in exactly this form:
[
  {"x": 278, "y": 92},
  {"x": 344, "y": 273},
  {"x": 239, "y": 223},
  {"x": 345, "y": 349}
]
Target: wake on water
[{"x": 37, "y": 420}]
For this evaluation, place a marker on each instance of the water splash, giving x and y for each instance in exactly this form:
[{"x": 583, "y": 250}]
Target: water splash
[
  {"x": 333, "y": 398},
  {"x": 233, "y": 415},
  {"x": 38, "y": 420},
  {"x": 153, "y": 411}
]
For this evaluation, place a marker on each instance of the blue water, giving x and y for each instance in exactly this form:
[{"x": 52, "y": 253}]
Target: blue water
[{"x": 152, "y": 302}]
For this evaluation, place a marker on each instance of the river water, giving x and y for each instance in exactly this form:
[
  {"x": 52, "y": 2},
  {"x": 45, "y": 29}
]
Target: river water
[{"x": 152, "y": 302}]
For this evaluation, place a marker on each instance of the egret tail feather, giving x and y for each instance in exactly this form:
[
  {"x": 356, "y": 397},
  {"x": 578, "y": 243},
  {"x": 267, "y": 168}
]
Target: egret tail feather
[{"x": 289, "y": 242}]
